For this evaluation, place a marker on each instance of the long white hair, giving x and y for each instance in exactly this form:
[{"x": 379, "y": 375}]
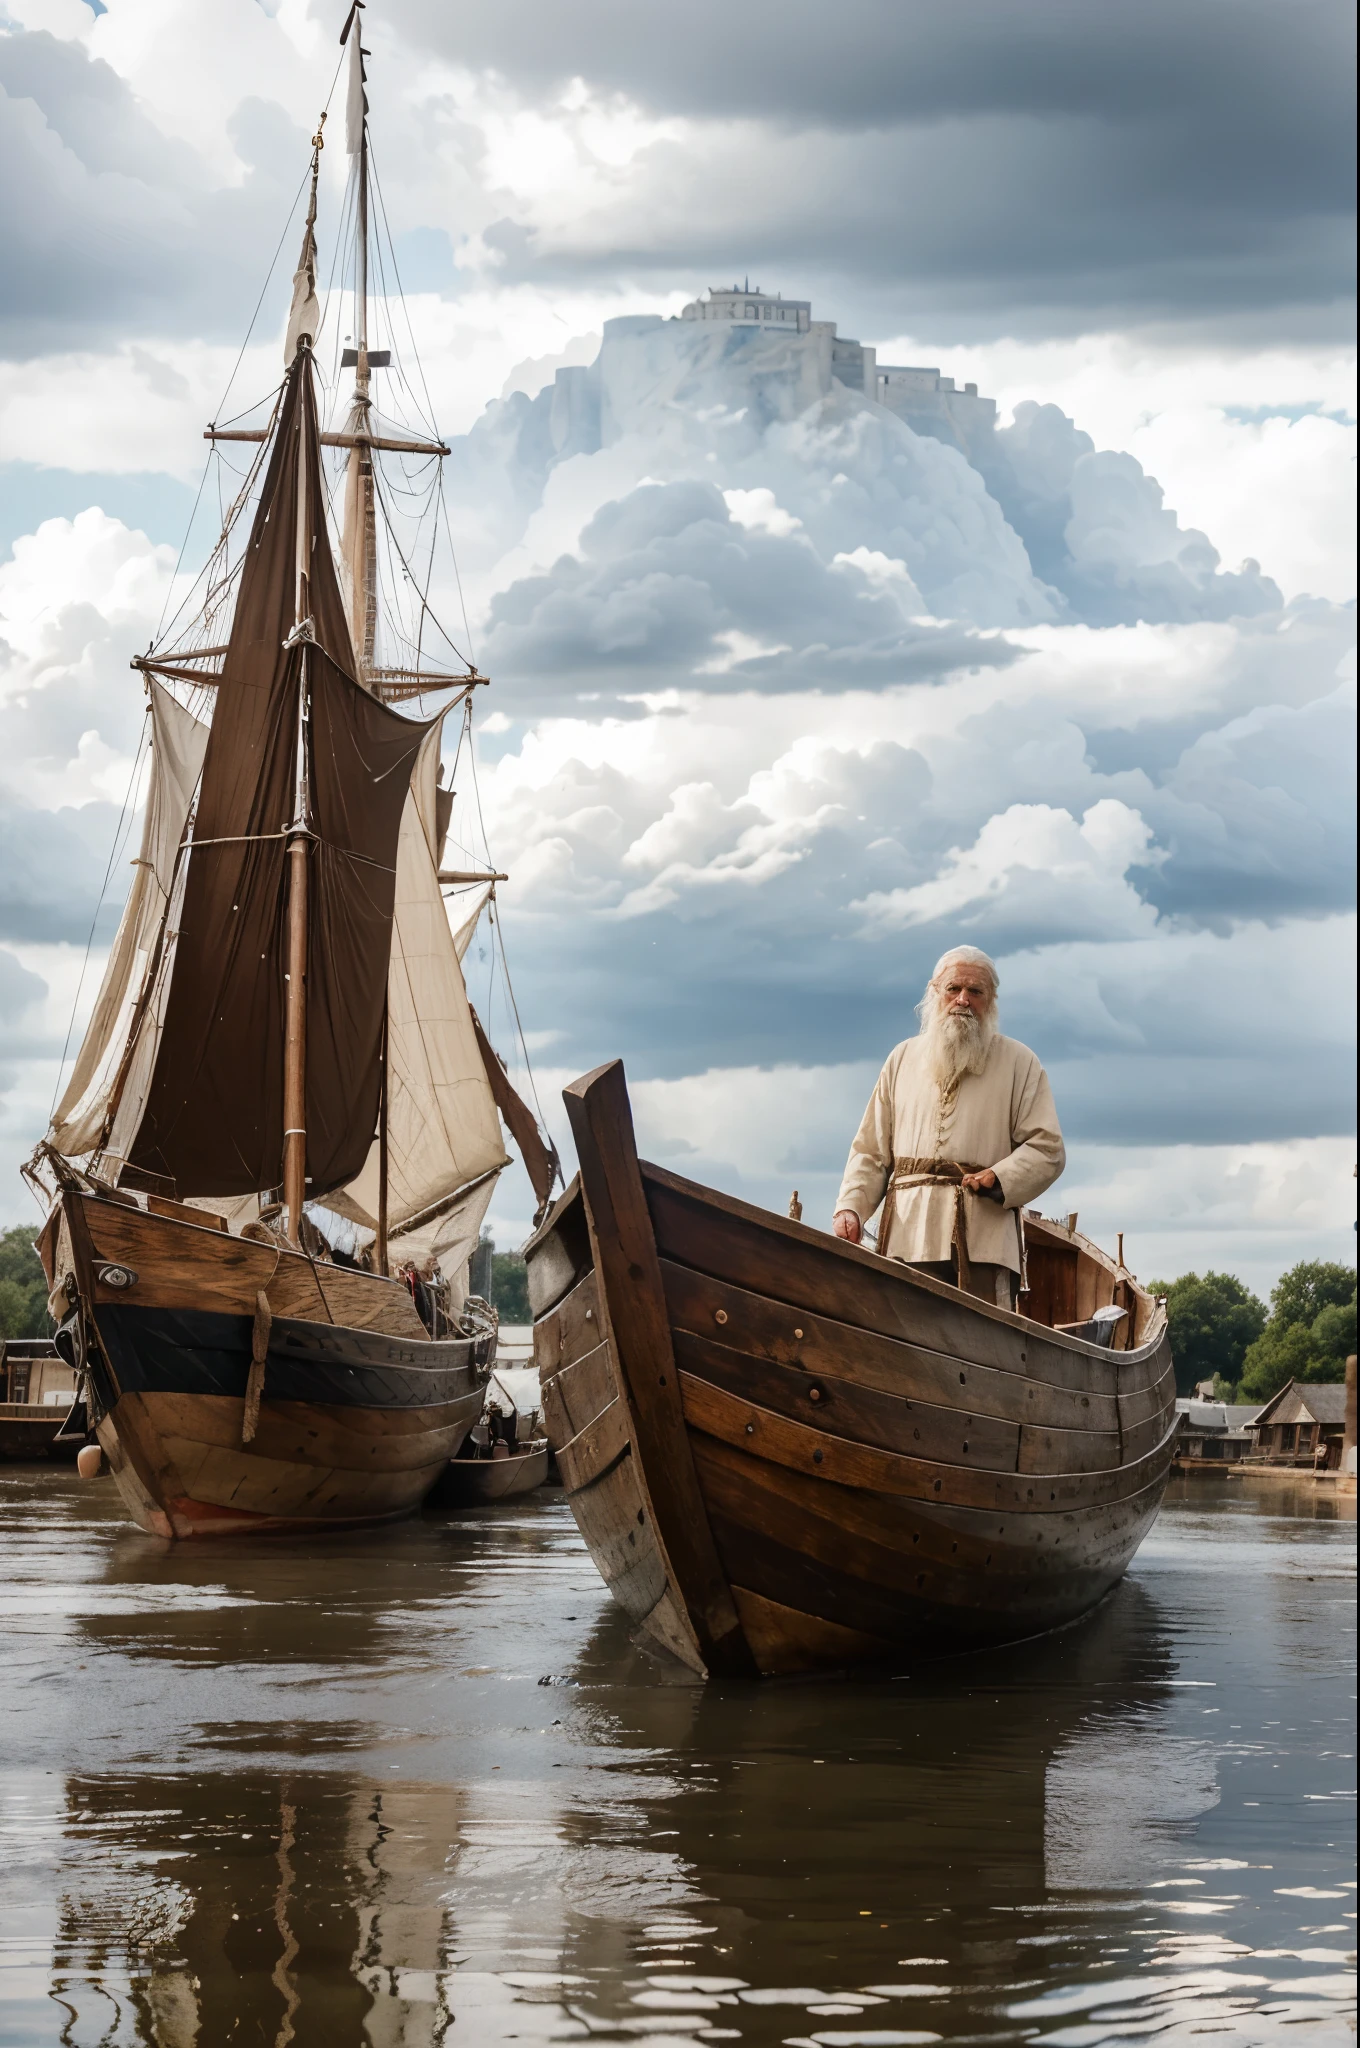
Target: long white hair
[{"x": 956, "y": 1045}]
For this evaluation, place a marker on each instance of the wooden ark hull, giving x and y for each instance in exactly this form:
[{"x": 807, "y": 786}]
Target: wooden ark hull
[
  {"x": 359, "y": 1410},
  {"x": 786, "y": 1453}
]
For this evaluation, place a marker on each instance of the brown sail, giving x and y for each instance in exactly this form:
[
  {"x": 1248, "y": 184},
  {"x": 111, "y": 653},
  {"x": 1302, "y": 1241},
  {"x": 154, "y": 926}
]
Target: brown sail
[
  {"x": 284, "y": 1006},
  {"x": 214, "y": 1118}
]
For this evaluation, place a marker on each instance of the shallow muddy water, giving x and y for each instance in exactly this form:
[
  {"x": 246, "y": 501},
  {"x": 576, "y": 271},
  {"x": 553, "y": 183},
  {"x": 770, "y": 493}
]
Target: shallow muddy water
[{"x": 418, "y": 1787}]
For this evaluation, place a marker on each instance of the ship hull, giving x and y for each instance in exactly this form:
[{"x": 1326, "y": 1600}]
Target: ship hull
[
  {"x": 479, "y": 1482},
  {"x": 786, "y": 1453},
  {"x": 354, "y": 1423}
]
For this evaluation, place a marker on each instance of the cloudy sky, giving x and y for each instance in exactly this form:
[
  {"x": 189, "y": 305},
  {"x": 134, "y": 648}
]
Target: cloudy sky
[{"x": 787, "y": 696}]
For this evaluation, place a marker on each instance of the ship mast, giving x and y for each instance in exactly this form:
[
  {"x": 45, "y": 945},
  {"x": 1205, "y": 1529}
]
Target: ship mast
[{"x": 360, "y": 539}]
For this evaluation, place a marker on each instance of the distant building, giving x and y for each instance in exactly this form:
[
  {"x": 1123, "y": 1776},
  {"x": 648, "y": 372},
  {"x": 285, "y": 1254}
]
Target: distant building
[
  {"x": 1303, "y": 1426},
  {"x": 1214, "y": 1432},
  {"x": 928, "y": 402},
  {"x": 749, "y": 307}
]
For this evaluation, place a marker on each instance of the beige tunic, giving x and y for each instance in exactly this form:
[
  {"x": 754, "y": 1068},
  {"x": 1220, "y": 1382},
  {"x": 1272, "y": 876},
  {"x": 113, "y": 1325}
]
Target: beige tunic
[{"x": 1003, "y": 1118}]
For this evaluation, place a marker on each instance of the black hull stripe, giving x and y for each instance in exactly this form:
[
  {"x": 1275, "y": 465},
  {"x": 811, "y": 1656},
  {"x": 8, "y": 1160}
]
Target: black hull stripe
[{"x": 199, "y": 1351}]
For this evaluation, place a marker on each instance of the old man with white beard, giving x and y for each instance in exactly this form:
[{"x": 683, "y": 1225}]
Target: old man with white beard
[{"x": 960, "y": 1134}]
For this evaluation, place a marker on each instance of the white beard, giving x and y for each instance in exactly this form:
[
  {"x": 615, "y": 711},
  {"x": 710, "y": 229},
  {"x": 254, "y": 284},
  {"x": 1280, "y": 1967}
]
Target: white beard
[{"x": 955, "y": 1045}]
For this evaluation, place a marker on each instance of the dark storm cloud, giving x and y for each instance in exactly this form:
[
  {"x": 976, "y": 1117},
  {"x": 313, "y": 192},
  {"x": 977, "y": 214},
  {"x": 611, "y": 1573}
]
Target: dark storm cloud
[
  {"x": 109, "y": 227},
  {"x": 982, "y": 167}
]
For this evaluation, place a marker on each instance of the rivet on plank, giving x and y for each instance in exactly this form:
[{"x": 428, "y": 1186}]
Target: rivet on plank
[
  {"x": 720, "y": 1315},
  {"x": 750, "y": 1429},
  {"x": 815, "y": 1394},
  {"x": 816, "y": 1457},
  {"x": 797, "y": 1333}
]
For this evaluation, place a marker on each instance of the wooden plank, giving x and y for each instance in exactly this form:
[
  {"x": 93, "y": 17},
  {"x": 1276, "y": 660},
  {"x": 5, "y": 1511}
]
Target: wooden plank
[
  {"x": 777, "y": 1538},
  {"x": 1142, "y": 1437},
  {"x": 1147, "y": 1402},
  {"x": 984, "y": 1557},
  {"x": 757, "y": 1326},
  {"x": 613, "y": 1519},
  {"x": 1069, "y": 1450},
  {"x": 558, "y": 1254},
  {"x": 918, "y": 1429},
  {"x": 835, "y": 1461},
  {"x": 569, "y": 1330},
  {"x": 582, "y": 1390},
  {"x": 788, "y": 1262},
  {"x": 625, "y": 1257},
  {"x": 187, "y": 1265},
  {"x": 584, "y": 1457},
  {"x": 311, "y": 1434},
  {"x": 785, "y": 1640}
]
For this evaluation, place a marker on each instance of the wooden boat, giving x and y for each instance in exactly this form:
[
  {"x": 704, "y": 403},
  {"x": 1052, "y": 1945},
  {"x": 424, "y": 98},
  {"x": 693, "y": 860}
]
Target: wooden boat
[
  {"x": 505, "y": 1453},
  {"x": 37, "y": 1392},
  {"x": 474, "y": 1480},
  {"x": 283, "y": 1022},
  {"x": 785, "y": 1452}
]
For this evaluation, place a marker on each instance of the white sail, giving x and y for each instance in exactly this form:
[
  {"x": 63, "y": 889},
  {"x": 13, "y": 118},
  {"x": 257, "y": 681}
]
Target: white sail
[
  {"x": 304, "y": 314},
  {"x": 356, "y": 100},
  {"x": 443, "y": 1130},
  {"x": 178, "y": 741}
]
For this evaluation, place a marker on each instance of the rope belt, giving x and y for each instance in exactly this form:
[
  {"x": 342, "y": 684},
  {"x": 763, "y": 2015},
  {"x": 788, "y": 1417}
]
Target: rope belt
[{"x": 940, "y": 1173}]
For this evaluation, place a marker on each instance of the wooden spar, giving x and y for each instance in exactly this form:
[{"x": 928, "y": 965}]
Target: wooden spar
[
  {"x": 382, "y": 1155},
  {"x": 449, "y": 877},
  {"x": 381, "y": 442},
  {"x": 295, "y": 1008},
  {"x": 397, "y": 685},
  {"x": 295, "y": 1043},
  {"x": 625, "y": 1258}
]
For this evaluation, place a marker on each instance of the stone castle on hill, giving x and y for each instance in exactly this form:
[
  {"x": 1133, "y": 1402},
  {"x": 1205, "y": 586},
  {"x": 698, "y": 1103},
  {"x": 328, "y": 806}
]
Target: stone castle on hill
[
  {"x": 919, "y": 396},
  {"x": 792, "y": 359}
]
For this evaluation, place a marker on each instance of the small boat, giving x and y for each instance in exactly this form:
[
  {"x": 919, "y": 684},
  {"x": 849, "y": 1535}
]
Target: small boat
[
  {"x": 506, "y": 1453},
  {"x": 786, "y": 1453},
  {"x": 37, "y": 1393},
  {"x": 283, "y": 1046}
]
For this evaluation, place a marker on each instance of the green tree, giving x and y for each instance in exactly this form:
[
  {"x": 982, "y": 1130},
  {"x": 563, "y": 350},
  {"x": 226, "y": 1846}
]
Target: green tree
[
  {"x": 1311, "y": 1331},
  {"x": 1300, "y": 1295},
  {"x": 1214, "y": 1319},
  {"x": 23, "y": 1286},
  {"x": 510, "y": 1288}
]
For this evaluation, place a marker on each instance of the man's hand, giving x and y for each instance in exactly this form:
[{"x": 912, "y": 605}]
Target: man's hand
[
  {"x": 986, "y": 1184},
  {"x": 846, "y": 1224}
]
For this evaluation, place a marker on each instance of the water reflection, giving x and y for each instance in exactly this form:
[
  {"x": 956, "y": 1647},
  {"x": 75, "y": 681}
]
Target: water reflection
[{"x": 420, "y": 1788}]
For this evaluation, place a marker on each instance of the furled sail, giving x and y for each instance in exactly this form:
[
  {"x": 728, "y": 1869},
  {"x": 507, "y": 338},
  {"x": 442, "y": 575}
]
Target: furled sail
[
  {"x": 214, "y": 1117},
  {"x": 99, "y": 1078},
  {"x": 443, "y": 1132}
]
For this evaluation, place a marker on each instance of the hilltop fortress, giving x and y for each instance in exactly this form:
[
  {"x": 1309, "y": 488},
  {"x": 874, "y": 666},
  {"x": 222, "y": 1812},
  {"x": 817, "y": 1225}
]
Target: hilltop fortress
[{"x": 790, "y": 360}]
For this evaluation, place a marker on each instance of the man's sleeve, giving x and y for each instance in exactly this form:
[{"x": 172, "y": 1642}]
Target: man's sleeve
[
  {"x": 869, "y": 1167},
  {"x": 1039, "y": 1154}
]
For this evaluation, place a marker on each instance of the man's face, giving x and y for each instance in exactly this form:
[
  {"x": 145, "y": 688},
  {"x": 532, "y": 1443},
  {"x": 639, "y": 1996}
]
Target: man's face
[{"x": 966, "y": 991}]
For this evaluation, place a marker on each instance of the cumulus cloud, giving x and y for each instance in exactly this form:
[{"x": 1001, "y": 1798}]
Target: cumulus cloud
[
  {"x": 790, "y": 692},
  {"x": 111, "y": 222}
]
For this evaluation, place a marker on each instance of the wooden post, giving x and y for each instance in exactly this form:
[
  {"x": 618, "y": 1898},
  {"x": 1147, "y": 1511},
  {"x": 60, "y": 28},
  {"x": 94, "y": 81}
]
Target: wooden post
[
  {"x": 629, "y": 1269},
  {"x": 381, "y": 1246},
  {"x": 295, "y": 1043}
]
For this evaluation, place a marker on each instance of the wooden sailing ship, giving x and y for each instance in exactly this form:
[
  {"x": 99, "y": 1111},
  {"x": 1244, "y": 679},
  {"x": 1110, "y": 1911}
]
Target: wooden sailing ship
[
  {"x": 785, "y": 1452},
  {"x": 283, "y": 1022}
]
